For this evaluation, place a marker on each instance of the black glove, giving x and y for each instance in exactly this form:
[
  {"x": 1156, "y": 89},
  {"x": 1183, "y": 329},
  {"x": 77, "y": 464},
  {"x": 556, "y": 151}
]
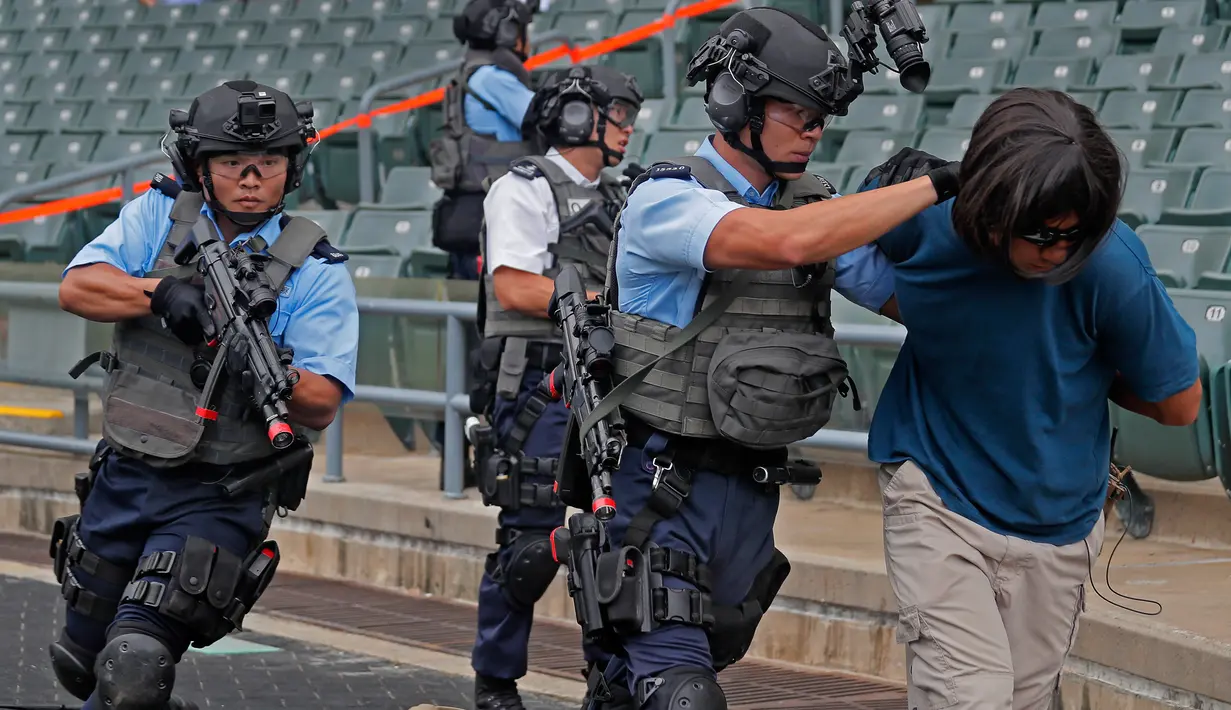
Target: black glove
[
  {"x": 632, "y": 172},
  {"x": 237, "y": 362},
  {"x": 910, "y": 163},
  {"x": 182, "y": 307}
]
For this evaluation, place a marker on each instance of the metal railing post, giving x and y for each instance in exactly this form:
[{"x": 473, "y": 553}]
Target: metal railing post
[
  {"x": 455, "y": 357},
  {"x": 367, "y": 151},
  {"x": 81, "y": 414},
  {"x": 333, "y": 449}
]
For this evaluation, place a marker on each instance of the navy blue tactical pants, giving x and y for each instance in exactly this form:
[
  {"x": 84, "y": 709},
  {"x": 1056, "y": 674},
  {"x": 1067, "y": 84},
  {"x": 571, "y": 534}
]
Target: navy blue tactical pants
[
  {"x": 133, "y": 511},
  {"x": 500, "y": 647},
  {"x": 727, "y": 521}
]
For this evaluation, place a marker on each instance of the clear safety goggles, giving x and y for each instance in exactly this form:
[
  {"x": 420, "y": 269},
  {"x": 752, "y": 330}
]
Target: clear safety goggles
[
  {"x": 236, "y": 165},
  {"x": 621, "y": 114},
  {"x": 797, "y": 118}
]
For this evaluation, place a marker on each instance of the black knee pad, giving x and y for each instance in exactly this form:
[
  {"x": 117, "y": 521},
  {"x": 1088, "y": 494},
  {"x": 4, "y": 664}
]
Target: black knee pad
[
  {"x": 683, "y": 688},
  {"x": 530, "y": 569},
  {"x": 135, "y": 672},
  {"x": 73, "y": 666}
]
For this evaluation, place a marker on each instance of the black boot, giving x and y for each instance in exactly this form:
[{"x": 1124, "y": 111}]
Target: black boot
[{"x": 496, "y": 694}]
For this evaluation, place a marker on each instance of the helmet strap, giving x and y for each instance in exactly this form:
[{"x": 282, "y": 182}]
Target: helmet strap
[{"x": 756, "y": 124}]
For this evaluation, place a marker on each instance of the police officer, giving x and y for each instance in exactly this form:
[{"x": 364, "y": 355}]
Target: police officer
[
  {"x": 709, "y": 417},
  {"x": 484, "y": 107},
  {"x": 170, "y": 545},
  {"x": 547, "y": 212}
]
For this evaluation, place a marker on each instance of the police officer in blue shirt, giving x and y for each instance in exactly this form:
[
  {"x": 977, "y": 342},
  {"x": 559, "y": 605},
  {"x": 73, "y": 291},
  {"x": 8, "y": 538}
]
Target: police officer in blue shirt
[
  {"x": 170, "y": 545},
  {"x": 741, "y": 247},
  {"x": 1028, "y": 306},
  {"x": 483, "y": 110}
]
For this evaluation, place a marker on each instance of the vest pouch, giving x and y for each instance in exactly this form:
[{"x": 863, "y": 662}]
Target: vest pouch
[
  {"x": 151, "y": 417},
  {"x": 772, "y": 389},
  {"x": 445, "y": 155}
]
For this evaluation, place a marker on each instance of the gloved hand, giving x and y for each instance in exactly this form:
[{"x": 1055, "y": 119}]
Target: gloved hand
[
  {"x": 632, "y": 172},
  {"x": 237, "y": 362},
  {"x": 910, "y": 163},
  {"x": 182, "y": 307}
]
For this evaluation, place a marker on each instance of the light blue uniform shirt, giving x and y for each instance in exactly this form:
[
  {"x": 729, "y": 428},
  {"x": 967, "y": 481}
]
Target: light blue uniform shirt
[
  {"x": 316, "y": 314},
  {"x": 665, "y": 226},
  {"x": 506, "y": 94}
]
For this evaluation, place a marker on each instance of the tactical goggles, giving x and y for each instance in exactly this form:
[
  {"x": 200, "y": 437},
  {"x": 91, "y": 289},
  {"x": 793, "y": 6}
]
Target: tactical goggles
[
  {"x": 621, "y": 114},
  {"x": 236, "y": 165},
  {"x": 797, "y": 118}
]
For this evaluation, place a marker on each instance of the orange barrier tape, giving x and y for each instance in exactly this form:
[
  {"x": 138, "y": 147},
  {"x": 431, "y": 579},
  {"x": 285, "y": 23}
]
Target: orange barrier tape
[{"x": 575, "y": 55}]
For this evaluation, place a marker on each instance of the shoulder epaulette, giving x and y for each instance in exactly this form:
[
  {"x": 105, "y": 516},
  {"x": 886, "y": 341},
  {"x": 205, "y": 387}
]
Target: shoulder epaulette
[
  {"x": 525, "y": 169},
  {"x": 328, "y": 253},
  {"x": 669, "y": 170},
  {"x": 828, "y": 185},
  {"x": 165, "y": 185}
]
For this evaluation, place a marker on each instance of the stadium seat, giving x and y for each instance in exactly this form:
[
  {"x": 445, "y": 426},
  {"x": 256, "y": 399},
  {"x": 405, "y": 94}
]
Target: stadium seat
[
  {"x": 253, "y": 59},
  {"x": 311, "y": 57},
  {"x": 427, "y": 263},
  {"x": 1143, "y": 148},
  {"x": 121, "y": 146},
  {"x": 288, "y": 80},
  {"x": 947, "y": 143},
  {"x": 105, "y": 65},
  {"x": 54, "y": 148},
  {"x": 135, "y": 38},
  {"x": 1204, "y": 147},
  {"x": 388, "y": 231},
  {"x": 13, "y": 88},
  {"x": 871, "y": 148},
  {"x": 342, "y": 32},
  {"x": 86, "y": 39},
  {"x": 14, "y": 116},
  {"x": 1051, "y": 73},
  {"x": 55, "y": 89},
  {"x": 369, "y": 9},
  {"x": 1071, "y": 42},
  {"x": 665, "y": 145},
  {"x": 121, "y": 15},
  {"x": 332, "y": 221},
  {"x": 1203, "y": 71},
  {"x": 338, "y": 83},
  {"x": 287, "y": 33},
  {"x": 1134, "y": 71},
  {"x": 1149, "y": 192},
  {"x": 108, "y": 117},
  {"x": 201, "y": 59},
  {"x": 1181, "y": 254},
  {"x": 18, "y": 148},
  {"x": 1204, "y": 108},
  {"x": 430, "y": 55},
  {"x": 156, "y": 116},
  {"x": 407, "y": 188},
  {"x": 952, "y": 77},
  {"x": 1146, "y": 17},
  {"x": 990, "y": 44},
  {"x": 48, "y": 64},
  {"x": 19, "y": 175},
  {"x": 374, "y": 266},
  {"x": 148, "y": 62},
  {"x": 987, "y": 16},
  {"x": 58, "y": 115},
  {"x": 42, "y": 41},
  {"x": 323, "y": 11},
  {"x": 39, "y": 239},
  {"x": 1175, "y": 39},
  {"x": 967, "y": 109},
  {"x": 1210, "y": 204},
  {"x": 889, "y": 113},
  {"x": 1138, "y": 109},
  {"x": 240, "y": 35},
  {"x": 1058, "y": 15}
]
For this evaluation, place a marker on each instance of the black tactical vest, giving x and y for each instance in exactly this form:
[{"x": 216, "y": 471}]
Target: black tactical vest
[{"x": 152, "y": 410}]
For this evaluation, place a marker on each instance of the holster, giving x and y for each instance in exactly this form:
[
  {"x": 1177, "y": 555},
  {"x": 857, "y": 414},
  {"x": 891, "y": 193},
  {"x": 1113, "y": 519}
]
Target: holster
[
  {"x": 287, "y": 474},
  {"x": 83, "y": 482},
  {"x": 735, "y": 627},
  {"x": 484, "y": 369}
]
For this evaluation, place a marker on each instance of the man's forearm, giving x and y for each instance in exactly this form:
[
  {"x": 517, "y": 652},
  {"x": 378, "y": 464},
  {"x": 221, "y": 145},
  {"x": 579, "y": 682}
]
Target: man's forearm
[
  {"x": 526, "y": 293},
  {"x": 314, "y": 400},
  {"x": 103, "y": 293}
]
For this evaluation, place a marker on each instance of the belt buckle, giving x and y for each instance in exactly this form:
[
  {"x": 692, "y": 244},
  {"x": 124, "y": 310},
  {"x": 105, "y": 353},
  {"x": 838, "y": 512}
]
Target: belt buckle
[{"x": 659, "y": 470}]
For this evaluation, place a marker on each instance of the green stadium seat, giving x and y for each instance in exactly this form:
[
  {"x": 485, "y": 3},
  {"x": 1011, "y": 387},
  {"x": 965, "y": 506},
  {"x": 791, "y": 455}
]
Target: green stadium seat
[
  {"x": 14, "y": 88},
  {"x": 38, "y": 239},
  {"x": 338, "y": 83},
  {"x": 1135, "y": 71},
  {"x": 1058, "y": 15},
  {"x": 18, "y": 175},
  {"x": 967, "y": 109},
  {"x": 48, "y": 64},
  {"x": 1181, "y": 453},
  {"x": 135, "y": 38},
  {"x": 1181, "y": 254},
  {"x": 398, "y": 30},
  {"x": 990, "y": 44},
  {"x": 1175, "y": 39},
  {"x": 651, "y": 116},
  {"x": 1210, "y": 204},
  {"x": 86, "y": 39},
  {"x": 323, "y": 11},
  {"x": 201, "y": 81},
  {"x": 14, "y": 116},
  {"x": 407, "y": 188},
  {"x": 218, "y": 12},
  {"x": 42, "y": 41},
  {"x": 165, "y": 15},
  {"x": 987, "y": 16},
  {"x": 953, "y": 77},
  {"x": 108, "y": 117},
  {"x": 644, "y": 63},
  {"x": 12, "y": 64},
  {"x": 690, "y": 116},
  {"x": 272, "y": 12},
  {"x": 1204, "y": 108},
  {"x": 253, "y": 60},
  {"x": 383, "y": 231},
  {"x": 1204, "y": 71},
  {"x": 58, "y": 115},
  {"x": 30, "y": 18},
  {"x": 1142, "y": 148},
  {"x": 369, "y": 9},
  {"x": 948, "y": 143},
  {"x": 18, "y": 148},
  {"x": 1146, "y": 17},
  {"x": 384, "y": 59},
  {"x": 72, "y": 18},
  {"x": 286, "y": 80},
  {"x": 1149, "y": 192},
  {"x": 635, "y": 151},
  {"x": 1069, "y": 42},
  {"x": 871, "y": 148},
  {"x": 665, "y": 145},
  {"x": 149, "y": 62},
  {"x": 106, "y": 64},
  {"x": 58, "y": 88},
  {"x": 9, "y": 40},
  {"x": 184, "y": 36},
  {"x": 76, "y": 148},
  {"x": 1204, "y": 147},
  {"x": 429, "y": 55},
  {"x": 1210, "y": 281},
  {"x": 427, "y": 263},
  {"x": 202, "y": 59},
  {"x": 119, "y": 15},
  {"x": 438, "y": 8},
  {"x": 332, "y": 221},
  {"x": 585, "y": 27},
  {"x": 614, "y": 7},
  {"x": 287, "y": 33},
  {"x": 312, "y": 57},
  {"x": 239, "y": 35},
  {"x": 935, "y": 17},
  {"x": 115, "y": 147},
  {"x": 885, "y": 112},
  {"x": 1052, "y": 73},
  {"x": 342, "y": 32},
  {"x": 374, "y": 266},
  {"x": 1138, "y": 109}
]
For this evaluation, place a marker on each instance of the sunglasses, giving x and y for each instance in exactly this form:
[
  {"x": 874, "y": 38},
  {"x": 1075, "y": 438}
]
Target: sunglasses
[{"x": 1047, "y": 236}]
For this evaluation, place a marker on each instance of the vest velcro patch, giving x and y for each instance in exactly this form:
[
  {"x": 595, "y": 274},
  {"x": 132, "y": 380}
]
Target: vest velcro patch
[
  {"x": 166, "y": 185},
  {"x": 669, "y": 170},
  {"x": 328, "y": 253},
  {"x": 526, "y": 169}
]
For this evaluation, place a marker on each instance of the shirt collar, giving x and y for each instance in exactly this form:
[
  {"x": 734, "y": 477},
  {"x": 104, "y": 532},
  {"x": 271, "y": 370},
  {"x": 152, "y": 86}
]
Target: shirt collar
[
  {"x": 268, "y": 230},
  {"x": 569, "y": 169},
  {"x": 733, "y": 176}
]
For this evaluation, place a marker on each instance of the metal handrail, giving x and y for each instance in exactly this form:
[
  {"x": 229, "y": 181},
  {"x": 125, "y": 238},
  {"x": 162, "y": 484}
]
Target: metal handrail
[
  {"x": 123, "y": 166},
  {"x": 452, "y": 401},
  {"x": 367, "y": 158}
]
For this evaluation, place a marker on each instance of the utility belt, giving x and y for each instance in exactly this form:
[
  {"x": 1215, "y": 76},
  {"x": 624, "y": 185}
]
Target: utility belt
[{"x": 506, "y": 479}]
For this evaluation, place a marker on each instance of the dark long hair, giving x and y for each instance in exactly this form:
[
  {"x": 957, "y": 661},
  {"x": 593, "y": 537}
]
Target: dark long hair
[{"x": 1037, "y": 154}]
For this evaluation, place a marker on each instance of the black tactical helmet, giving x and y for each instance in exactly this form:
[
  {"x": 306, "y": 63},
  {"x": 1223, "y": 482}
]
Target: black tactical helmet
[
  {"x": 234, "y": 117},
  {"x": 766, "y": 52},
  {"x": 493, "y": 24},
  {"x": 561, "y": 112}
]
